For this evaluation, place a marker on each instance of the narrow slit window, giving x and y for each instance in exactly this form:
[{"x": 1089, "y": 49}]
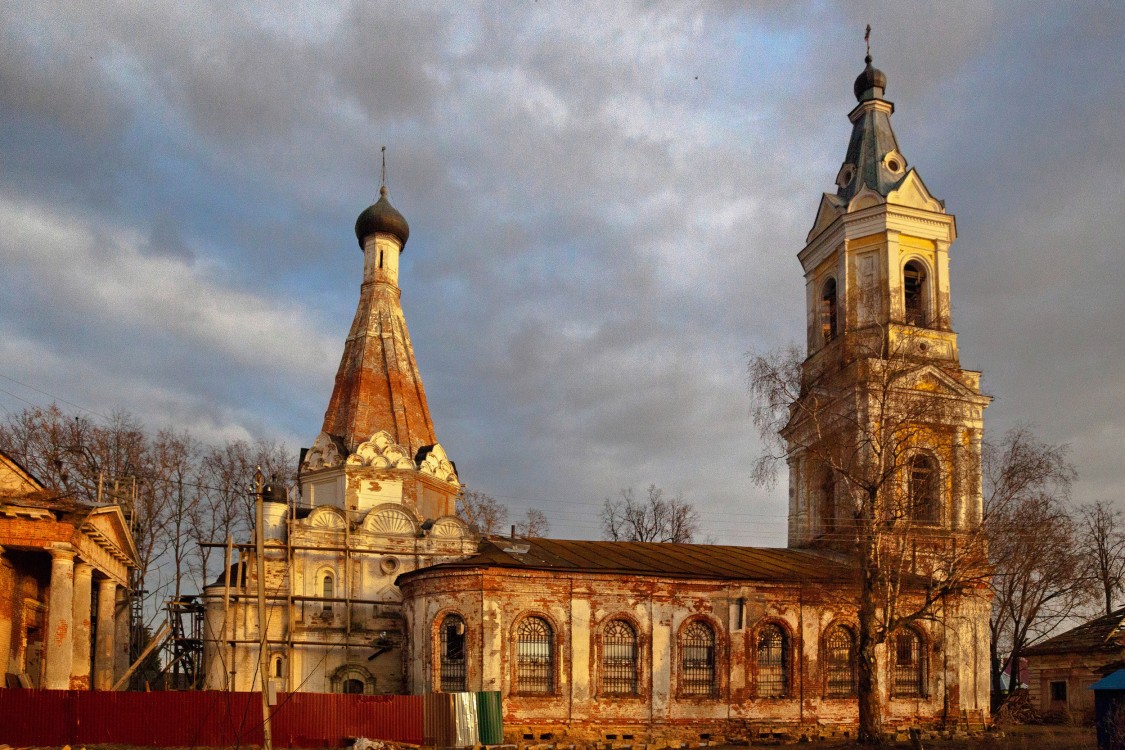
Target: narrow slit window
[
  {"x": 829, "y": 314},
  {"x": 328, "y": 589}
]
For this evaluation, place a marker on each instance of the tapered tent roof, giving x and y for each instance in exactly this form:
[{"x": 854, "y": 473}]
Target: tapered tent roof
[{"x": 378, "y": 386}]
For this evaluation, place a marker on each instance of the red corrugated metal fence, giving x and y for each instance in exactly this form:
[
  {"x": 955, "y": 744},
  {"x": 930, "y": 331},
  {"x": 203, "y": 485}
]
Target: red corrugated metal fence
[{"x": 203, "y": 719}]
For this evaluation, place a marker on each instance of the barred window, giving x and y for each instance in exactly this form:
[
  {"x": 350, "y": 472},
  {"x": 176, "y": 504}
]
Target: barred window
[
  {"x": 697, "y": 650},
  {"x": 451, "y": 662},
  {"x": 922, "y": 490},
  {"x": 839, "y": 647},
  {"x": 535, "y": 656},
  {"x": 619, "y": 658},
  {"x": 909, "y": 672},
  {"x": 773, "y": 662}
]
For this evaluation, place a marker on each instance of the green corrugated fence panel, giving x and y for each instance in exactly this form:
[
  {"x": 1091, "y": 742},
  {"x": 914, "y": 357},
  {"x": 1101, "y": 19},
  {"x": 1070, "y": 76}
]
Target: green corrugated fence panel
[{"x": 490, "y": 717}]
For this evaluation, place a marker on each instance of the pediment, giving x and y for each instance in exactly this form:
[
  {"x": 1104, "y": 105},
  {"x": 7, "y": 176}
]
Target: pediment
[
  {"x": 389, "y": 593},
  {"x": 15, "y": 480},
  {"x": 865, "y": 198},
  {"x": 912, "y": 192},
  {"x": 109, "y": 530},
  {"x": 390, "y": 520},
  {"x": 934, "y": 380},
  {"x": 380, "y": 451},
  {"x": 438, "y": 465},
  {"x": 827, "y": 213},
  {"x": 326, "y": 517}
]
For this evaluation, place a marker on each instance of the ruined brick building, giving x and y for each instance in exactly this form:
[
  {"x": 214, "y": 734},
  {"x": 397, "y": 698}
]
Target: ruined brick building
[
  {"x": 64, "y": 573},
  {"x": 375, "y": 586}
]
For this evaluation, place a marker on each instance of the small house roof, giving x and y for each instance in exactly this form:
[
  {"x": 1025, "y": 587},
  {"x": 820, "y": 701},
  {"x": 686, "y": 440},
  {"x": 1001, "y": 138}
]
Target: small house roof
[{"x": 1100, "y": 634}]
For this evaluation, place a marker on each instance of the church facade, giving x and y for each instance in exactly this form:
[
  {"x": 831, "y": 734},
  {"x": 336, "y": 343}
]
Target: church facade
[{"x": 376, "y": 587}]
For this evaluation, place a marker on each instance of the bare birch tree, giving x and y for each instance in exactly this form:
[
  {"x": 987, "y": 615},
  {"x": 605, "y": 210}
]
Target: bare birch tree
[
  {"x": 1101, "y": 538},
  {"x": 1037, "y": 579}
]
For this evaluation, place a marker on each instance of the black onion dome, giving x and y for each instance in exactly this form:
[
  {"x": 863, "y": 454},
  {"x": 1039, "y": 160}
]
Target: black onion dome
[
  {"x": 382, "y": 217},
  {"x": 870, "y": 78}
]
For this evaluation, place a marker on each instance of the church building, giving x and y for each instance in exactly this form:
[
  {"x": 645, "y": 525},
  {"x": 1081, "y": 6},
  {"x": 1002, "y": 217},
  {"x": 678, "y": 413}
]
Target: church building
[{"x": 375, "y": 586}]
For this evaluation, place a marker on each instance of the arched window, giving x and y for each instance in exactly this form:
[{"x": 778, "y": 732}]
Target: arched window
[
  {"x": 697, "y": 654},
  {"x": 829, "y": 323},
  {"x": 353, "y": 686},
  {"x": 328, "y": 588},
  {"x": 619, "y": 658},
  {"x": 914, "y": 293},
  {"x": 278, "y": 667},
  {"x": 535, "y": 656},
  {"x": 828, "y": 502},
  {"x": 909, "y": 665},
  {"x": 921, "y": 492},
  {"x": 839, "y": 658},
  {"x": 773, "y": 662},
  {"x": 451, "y": 662}
]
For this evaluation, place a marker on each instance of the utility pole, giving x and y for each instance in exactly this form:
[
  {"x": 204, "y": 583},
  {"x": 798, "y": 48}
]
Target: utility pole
[{"x": 263, "y": 656}]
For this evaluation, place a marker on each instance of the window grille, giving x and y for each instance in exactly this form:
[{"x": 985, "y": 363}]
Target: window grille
[
  {"x": 697, "y": 649},
  {"x": 922, "y": 497},
  {"x": 913, "y": 287},
  {"x": 773, "y": 662},
  {"x": 909, "y": 674},
  {"x": 840, "y": 663},
  {"x": 451, "y": 665},
  {"x": 828, "y": 312},
  {"x": 535, "y": 656},
  {"x": 619, "y": 659}
]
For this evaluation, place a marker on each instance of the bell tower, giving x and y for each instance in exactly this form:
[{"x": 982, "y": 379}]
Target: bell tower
[{"x": 881, "y": 349}]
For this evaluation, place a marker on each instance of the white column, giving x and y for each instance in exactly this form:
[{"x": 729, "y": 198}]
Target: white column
[
  {"x": 59, "y": 640},
  {"x": 80, "y": 669},
  {"x": 103, "y": 649}
]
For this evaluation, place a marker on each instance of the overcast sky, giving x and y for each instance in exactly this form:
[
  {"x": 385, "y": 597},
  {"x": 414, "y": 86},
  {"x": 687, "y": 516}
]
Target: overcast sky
[{"x": 606, "y": 202}]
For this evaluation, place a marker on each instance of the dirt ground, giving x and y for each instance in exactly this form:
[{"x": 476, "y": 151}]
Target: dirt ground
[{"x": 1014, "y": 737}]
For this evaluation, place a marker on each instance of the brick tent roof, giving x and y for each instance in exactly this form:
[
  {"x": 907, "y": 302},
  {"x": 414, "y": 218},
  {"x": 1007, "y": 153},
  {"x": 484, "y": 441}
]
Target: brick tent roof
[
  {"x": 378, "y": 386},
  {"x": 1100, "y": 634},
  {"x": 700, "y": 561}
]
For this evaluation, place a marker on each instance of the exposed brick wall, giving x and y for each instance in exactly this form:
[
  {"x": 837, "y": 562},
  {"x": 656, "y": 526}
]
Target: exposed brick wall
[{"x": 578, "y": 606}]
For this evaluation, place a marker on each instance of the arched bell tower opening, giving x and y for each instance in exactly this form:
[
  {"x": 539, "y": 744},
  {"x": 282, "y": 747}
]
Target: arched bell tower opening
[{"x": 881, "y": 343}]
